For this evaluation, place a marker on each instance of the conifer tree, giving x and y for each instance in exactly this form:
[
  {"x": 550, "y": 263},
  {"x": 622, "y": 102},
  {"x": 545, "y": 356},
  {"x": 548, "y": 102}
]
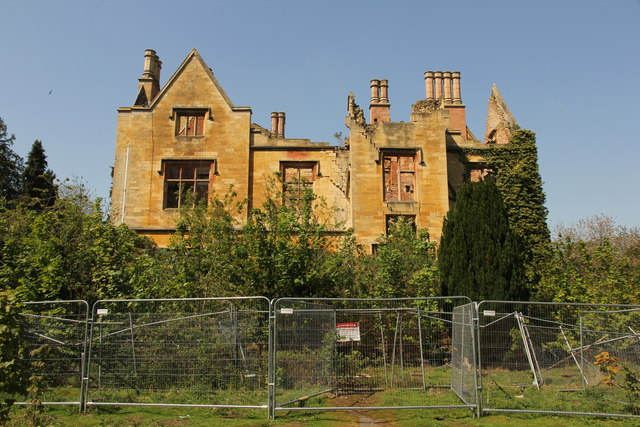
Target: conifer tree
[
  {"x": 37, "y": 179},
  {"x": 10, "y": 166},
  {"x": 480, "y": 256}
]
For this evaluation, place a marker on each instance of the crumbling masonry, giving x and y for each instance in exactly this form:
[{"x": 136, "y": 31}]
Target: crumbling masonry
[{"x": 188, "y": 136}]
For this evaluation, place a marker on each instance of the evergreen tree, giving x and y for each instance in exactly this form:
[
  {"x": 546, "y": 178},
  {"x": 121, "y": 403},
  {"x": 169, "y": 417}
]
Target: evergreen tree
[
  {"x": 37, "y": 180},
  {"x": 515, "y": 170},
  {"x": 480, "y": 256},
  {"x": 10, "y": 166}
]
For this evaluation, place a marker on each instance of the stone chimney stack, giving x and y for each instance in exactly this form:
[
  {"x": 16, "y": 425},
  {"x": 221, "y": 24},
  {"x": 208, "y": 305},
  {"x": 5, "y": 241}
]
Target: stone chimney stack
[
  {"x": 380, "y": 108},
  {"x": 445, "y": 86},
  {"x": 277, "y": 124},
  {"x": 150, "y": 80}
]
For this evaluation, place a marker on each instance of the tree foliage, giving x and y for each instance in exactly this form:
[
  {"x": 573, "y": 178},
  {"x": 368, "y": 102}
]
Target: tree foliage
[
  {"x": 480, "y": 256},
  {"x": 593, "y": 261},
  {"x": 404, "y": 265},
  {"x": 14, "y": 377},
  {"x": 65, "y": 252},
  {"x": 11, "y": 166},
  {"x": 281, "y": 250},
  {"x": 38, "y": 179},
  {"x": 516, "y": 173}
]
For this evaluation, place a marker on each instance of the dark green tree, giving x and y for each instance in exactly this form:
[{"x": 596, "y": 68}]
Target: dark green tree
[
  {"x": 480, "y": 256},
  {"x": 516, "y": 172},
  {"x": 10, "y": 166},
  {"x": 37, "y": 178}
]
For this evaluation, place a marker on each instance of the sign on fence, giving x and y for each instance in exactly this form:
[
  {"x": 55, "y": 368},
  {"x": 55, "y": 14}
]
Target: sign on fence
[{"x": 349, "y": 331}]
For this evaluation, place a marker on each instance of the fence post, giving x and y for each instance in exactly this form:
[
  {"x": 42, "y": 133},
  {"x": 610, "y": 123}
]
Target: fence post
[
  {"x": 477, "y": 371},
  {"x": 84, "y": 383},
  {"x": 424, "y": 381},
  {"x": 271, "y": 349}
]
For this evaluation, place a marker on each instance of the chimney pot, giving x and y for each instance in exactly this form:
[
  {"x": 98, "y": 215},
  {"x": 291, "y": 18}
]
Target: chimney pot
[
  {"x": 428, "y": 81},
  {"x": 438, "y": 83},
  {"x": 384, "y": 91},
  {"x": 281, "y": 124},
  {"x": 274, "y": 124},
  {"x": 447, "y": 86},
  {"x": 375, "y": 91},
  {"x": 457, "y": 99}
]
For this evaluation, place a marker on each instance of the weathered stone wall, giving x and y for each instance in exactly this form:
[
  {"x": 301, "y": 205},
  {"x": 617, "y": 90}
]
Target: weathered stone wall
[
  {"x": 352, "y": 179},
  {"x": 150, "y": 135}
]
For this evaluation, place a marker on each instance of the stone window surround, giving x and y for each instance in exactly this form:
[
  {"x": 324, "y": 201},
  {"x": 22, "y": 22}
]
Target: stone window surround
[
  {"x": 301, "y": 165},
  {"x": 193, "y": 111},
  {"x": 171, "y": 180},
  {"x": 406, "y": 174}
]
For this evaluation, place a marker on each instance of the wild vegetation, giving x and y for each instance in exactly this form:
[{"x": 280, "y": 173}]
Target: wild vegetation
[{"x": 57, "y": 243}]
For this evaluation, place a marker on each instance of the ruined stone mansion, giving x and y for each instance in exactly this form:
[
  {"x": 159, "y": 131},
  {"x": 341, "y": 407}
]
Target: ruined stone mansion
[{"x": 189, "y": 137}]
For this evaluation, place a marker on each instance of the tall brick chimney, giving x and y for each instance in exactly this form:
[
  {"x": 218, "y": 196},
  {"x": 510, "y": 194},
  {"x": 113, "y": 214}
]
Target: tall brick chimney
[
  {"x": 277, "y": 124},
  {"x": 380, "y": 108},
  {"x": 149, "y": 83},
  {"x": 445, "y": 86}
]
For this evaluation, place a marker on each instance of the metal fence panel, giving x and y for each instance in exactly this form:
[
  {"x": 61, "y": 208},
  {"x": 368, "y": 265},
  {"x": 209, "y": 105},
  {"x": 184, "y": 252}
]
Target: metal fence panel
[
  {"x": 610, "y": 347},
  {"x": 530, "y": 358},
  {"x": 55, "y": 336},
  {"x": 204, "y": 352},
  {"x": 463, "y": 354},
  {"x": 396, "y": 349}
]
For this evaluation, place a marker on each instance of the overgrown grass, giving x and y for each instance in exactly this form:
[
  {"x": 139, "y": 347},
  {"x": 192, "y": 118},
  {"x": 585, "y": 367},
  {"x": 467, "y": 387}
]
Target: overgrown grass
[{"x": 502, "y": 389}]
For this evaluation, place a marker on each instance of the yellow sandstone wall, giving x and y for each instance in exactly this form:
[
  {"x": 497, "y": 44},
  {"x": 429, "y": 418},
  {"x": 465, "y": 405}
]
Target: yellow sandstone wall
[{"x": 350, "y": 179}]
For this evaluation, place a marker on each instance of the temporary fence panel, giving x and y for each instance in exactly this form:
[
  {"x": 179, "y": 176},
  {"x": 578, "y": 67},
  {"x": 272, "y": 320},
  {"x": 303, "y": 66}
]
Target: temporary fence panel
[
  {"x": 304, "y": 347},
  {"x": 55, "y": 336},
  {"x": 610, "y": 350},
  {"x": 338, "y": 353},
  {"x": 464, "y": 372},
  {"x": 201, "y": 352},
  {"x": 533, "y": 358}
]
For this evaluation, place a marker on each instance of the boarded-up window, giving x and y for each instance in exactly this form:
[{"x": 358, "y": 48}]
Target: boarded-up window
[
  {"x": 190, "y": 123},
  {"x": 399, "y": 171},
  {"x": 180, "y": 178},
  {"x": 297, "y": 177}
]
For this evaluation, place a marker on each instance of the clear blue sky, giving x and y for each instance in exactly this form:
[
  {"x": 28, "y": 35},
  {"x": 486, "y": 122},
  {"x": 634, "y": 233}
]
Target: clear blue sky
[{"x": 568, "y": 70}]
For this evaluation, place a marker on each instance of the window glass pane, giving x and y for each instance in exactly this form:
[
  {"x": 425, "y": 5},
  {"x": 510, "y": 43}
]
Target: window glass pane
[
  {"x": 173, "y": 172},
  {"x": 172, "y": 194},
  {"x": 186, "y": 187},
  {"x": 188, "y": 172},
  {"x": 202, "y": 172},
  {"x": 202, "y": 191}
]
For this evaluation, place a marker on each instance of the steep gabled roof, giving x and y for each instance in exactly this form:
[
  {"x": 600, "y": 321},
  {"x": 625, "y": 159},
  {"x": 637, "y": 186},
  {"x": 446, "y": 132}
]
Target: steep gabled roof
[{"x": 194, "y": 56}]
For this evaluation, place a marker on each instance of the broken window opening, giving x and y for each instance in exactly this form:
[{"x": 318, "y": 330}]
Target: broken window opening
[
  {"x": 190, "y": 123},
  {"x": 182, "y": 178},
  {"x": 399, "y": 175},
  {"x": 297, "y": 177}
]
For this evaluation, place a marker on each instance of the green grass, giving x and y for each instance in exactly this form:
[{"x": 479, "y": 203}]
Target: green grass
[
  {"x": 501, "y": 389},
  {"x": 140, "y": 416}
]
